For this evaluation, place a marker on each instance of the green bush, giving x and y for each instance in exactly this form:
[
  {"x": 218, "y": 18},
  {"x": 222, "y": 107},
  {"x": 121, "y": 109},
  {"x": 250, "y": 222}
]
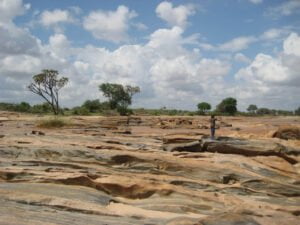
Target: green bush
[
  {"x": 22, "y": 107},
  {"x": 41, "y": 108},
  {"x": 82, "y": 111},
  {"x": 92, "y": 105}
]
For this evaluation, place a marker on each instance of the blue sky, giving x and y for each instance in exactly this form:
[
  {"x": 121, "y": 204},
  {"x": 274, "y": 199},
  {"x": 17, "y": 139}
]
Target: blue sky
[{"x": 179, "y": 52}]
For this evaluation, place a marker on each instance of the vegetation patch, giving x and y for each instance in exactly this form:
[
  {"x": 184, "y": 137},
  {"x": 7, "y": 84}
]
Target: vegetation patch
[{"x": 55, "y": 122}]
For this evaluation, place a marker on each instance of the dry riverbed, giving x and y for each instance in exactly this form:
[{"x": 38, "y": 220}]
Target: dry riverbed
[{"x": 148, "y": 170}]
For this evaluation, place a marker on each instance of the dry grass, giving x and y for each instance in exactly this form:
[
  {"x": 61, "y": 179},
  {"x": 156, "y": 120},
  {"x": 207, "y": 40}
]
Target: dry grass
[{"x": 55, "y": 122}]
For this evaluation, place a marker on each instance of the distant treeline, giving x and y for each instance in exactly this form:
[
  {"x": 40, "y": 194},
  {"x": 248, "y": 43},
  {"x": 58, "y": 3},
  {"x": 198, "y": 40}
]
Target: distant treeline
[{"x": 95, "y": 107}]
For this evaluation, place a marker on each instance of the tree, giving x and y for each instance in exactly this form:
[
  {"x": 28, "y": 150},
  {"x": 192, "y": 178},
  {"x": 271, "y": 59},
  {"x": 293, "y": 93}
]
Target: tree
[
  {"x": 23, "y": 107},
  {"x": 203, "y": 107},
  {"x": 264, "y": 111},
  {"x": 252, "y": 108},
  {"x": 47, "y": 85},
  {"x": 297, "y": 111},
  {"x": 119, "y": 96},
  {"x": 227, "y": 105},
  {"x": 92, "y": 105}
]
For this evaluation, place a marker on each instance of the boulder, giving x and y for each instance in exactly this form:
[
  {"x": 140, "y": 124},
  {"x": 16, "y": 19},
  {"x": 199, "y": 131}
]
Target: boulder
[{"x": 287, "y": 133}]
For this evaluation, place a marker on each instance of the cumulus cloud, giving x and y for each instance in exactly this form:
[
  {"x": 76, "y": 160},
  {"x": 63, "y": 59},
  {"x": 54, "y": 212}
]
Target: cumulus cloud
[
  {"x": 265, "y": 68},
  {"x": 55, "y": 17},
  {"x": 166, "y": 70},
  {"x": 276, "y": 70},
  {"x": 10, "y": 9},
  {"x": 169, "y": 42},
  {"x": 291, "y": 45},
  {"x": 271, "y": 75},
  {"x": 14, "y": 40},
  {"x": 175, "y": 16},
  {"x": 110, "y": 25}
]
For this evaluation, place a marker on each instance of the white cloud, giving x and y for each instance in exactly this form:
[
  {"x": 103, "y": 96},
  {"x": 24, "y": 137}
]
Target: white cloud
[
  {"x": 273, "y": 33},
  {"x": 286, "y": 8},
  {"x": 14, "y": 40},
  {"x": 265, "y": 68},
  {"x": 10, "y": 9},
  {"x": 273, "y": 78},
  {"x": 243, "y": 42},
  {"x": 292, "y": 44},
  {"x": 55, "y": 17},
  {"x": 169, "y": 69},
  {"x": 25, "y": 64},
  {"x": 110, "y": 25},
  {"x": 240, "y": 57},
  {"x": 164, "y": 68},
  {"x": 175, "y": 16},
  {"x": 237, "y": 44},
  {"x": 169, "y": 42},
  {"x": 256, "y": 1}
]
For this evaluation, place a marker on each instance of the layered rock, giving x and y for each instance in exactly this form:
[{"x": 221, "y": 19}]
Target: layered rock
[{"x": 97, "y": 173}]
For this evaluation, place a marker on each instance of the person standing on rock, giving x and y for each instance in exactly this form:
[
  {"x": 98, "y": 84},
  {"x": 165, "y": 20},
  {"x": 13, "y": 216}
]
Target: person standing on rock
[{"x": 212, "y": 126}]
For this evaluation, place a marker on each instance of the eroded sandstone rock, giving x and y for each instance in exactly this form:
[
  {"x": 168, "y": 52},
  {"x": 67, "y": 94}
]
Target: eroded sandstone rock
[
  {"x": 287, "y": 133},
  {"x": 88, "y": 173}
]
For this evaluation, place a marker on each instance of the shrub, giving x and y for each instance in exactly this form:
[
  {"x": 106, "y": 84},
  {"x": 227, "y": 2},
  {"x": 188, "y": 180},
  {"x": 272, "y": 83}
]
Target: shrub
[
  {"x": 41, "y": 108},
  {"x": 52, "y": 123},
  {"x": 23, "y": 107},
  {"x": 82, "y": 111},
  {"x": 264, "y": 111}
]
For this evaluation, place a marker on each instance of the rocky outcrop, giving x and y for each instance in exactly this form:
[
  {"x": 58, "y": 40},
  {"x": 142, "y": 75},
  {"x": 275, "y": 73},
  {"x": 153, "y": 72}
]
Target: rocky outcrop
[
  {"x": 287, "y": 133},
  {"x": 95, "y": 172},
  {"x": 227, "y": 145}
]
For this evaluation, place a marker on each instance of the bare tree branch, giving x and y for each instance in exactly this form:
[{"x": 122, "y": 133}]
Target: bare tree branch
[{"x": 47, "y": 85}]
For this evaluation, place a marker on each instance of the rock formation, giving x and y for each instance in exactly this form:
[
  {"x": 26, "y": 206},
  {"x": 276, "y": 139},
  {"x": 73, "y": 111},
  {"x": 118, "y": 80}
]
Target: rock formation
[{"x": 118, "y": 171}]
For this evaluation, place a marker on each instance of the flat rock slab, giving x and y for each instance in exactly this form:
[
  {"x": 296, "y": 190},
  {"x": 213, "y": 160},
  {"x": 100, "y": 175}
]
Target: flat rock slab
[
  {"x": 194, "y": 146},
  {"x": 227, "y": 145}
]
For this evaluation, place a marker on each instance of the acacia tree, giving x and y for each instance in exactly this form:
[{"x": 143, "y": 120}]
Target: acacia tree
[
  {"x": 47, "y": 85},
  {"x": 228, "y": 106},
  {"x": 252, "y": 108},
  {"x": 203, "y": 107},
  {"x": 119, "y": 96}
]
